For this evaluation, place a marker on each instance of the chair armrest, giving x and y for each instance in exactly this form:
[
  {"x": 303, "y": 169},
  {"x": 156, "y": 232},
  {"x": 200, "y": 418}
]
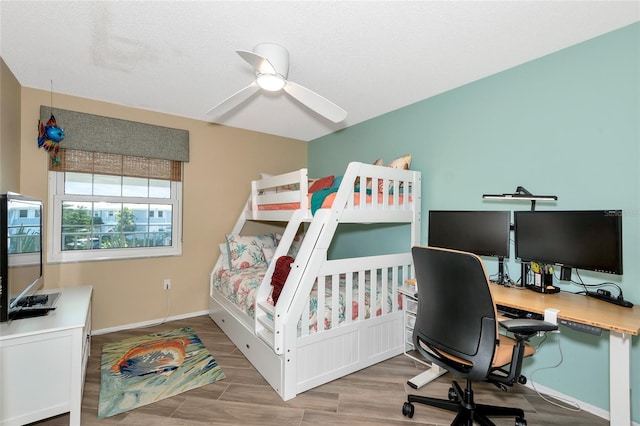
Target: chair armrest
[{"x": 527, "y": 327}]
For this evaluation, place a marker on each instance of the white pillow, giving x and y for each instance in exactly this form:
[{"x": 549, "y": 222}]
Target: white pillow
[
  {"x": 295, "y": 246},
  {"x": 268, "y": 253}
]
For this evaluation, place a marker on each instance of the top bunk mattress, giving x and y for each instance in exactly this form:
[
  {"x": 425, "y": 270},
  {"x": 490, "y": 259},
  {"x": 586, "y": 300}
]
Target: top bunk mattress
[{"x": 324, "y": 200}]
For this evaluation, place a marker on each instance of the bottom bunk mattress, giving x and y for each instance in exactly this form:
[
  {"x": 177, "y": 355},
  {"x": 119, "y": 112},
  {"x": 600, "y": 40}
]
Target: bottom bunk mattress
[{"x": 240, "y": 287}]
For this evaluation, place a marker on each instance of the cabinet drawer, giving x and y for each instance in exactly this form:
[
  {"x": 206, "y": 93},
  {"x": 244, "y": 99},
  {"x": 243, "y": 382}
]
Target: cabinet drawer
[
  {"x": 409, "y": 336},
  {"x": 410, "y": 321},
  {"x": 412, "y": 305}
]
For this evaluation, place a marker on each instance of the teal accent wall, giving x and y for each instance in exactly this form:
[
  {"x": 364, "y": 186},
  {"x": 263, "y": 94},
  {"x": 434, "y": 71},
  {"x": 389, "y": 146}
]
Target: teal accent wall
[{"x": 567, "y": 124}]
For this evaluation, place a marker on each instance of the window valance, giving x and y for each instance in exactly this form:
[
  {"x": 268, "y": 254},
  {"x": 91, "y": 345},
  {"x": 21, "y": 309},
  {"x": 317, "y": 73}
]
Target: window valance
[{"x": 88, "y": 132}]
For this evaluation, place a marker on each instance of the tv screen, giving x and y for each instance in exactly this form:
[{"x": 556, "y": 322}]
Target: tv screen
[
  {"x": 583, "y": 239},
  {"x": 485, "y": 233},
  {"x": 20, "y": 249}
]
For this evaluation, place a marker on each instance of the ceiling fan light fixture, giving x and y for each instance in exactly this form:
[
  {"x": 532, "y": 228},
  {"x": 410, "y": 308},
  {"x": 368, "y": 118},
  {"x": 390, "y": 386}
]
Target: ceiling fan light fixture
[
  {"x": 270, "y": 63},
  {"x": 270, "y": 82}
]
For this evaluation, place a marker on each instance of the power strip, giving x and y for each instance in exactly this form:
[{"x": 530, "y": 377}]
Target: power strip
[{"x": 606, "y": 296}]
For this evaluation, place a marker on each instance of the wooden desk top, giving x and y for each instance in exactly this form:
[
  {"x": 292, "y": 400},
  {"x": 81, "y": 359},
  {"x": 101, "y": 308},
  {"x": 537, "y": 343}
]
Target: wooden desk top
[{"x": 574, "y": 307}]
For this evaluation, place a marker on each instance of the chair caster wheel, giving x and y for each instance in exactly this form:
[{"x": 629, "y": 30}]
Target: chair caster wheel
[
  {"x": 520, "y": 421},
  {"x": 452, "y": 395},
  {"x": 522, "y": 380},
  {"x": 407, "y": 410}
]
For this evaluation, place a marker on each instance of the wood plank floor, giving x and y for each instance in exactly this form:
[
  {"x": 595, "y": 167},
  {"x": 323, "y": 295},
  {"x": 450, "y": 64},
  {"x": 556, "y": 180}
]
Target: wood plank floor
[{"x": 373, "y": 396}]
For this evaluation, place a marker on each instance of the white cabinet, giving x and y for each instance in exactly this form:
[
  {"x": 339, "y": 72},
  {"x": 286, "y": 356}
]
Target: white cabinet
[
  {"x": 43, "y": 361},
  {"x": 410, "y": 308}
]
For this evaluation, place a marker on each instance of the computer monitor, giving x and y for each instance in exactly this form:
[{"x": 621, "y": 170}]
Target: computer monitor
[
  {"x": 582, "y": 239},
  {"x": 483, "y": 232}
]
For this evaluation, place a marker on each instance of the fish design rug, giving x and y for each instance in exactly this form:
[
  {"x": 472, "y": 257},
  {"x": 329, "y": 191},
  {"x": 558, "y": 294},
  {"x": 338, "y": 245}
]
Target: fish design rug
[{"x": 142, "y": 370}]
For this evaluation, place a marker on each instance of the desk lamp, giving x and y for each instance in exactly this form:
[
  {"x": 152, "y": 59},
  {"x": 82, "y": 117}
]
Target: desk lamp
[{"x": 521, "y": 193}]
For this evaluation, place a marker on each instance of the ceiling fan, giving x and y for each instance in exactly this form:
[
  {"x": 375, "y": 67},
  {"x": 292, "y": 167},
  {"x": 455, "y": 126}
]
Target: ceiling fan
[{"x": 271, "y": 64}]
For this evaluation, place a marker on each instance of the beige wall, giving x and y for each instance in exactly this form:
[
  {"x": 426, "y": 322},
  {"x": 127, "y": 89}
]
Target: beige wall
[
  {"x": 9, "y": 130},
  {"x": 223, "y": 161}
]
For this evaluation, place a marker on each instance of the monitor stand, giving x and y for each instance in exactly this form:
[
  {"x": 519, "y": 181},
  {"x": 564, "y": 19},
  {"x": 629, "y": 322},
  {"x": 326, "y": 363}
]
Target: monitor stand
[
  {"x": 524, "y": 273},
  {"x": 502, "y": 278}
]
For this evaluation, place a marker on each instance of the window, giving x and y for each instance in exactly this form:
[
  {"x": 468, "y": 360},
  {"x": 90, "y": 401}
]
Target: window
[{"x": 99, "y": 216}]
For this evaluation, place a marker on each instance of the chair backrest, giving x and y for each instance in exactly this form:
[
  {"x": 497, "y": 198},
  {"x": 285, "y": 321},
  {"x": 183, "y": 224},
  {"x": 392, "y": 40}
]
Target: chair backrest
[{"x": 456, "y": 314}]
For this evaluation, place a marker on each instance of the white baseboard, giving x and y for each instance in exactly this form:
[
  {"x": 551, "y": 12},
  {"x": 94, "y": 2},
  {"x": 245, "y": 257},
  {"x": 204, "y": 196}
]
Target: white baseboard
[
  {"x": 148, "y": 323},
  {"x": 545, "y": 391}
]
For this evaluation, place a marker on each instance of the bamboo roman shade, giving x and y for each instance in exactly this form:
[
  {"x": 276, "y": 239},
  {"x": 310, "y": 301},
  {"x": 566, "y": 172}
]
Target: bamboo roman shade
[{"x": 73, "y": 160}]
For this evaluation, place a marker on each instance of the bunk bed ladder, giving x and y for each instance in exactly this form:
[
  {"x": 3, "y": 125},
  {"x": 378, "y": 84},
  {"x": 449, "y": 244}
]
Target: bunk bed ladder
[
  {"x": 313, "y": 252},
  {"x": 265, "y": 312}
]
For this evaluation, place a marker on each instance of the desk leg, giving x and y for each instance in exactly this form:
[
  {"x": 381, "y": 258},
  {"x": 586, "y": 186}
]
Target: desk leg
[
  {"x": 619, "y": 379},
  {"x": 426, "y": 376}
]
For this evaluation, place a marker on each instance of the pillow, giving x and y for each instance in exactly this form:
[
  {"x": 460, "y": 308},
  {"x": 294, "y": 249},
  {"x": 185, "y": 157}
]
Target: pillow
[
  {"x": 399, "y": 163},
  {"x": 281, "y": 188},
  {"x": 321, "y": 183},
  {"x": 288, "y": 187},
  {"x": 246, "y": 251},
  {"x": 295, "y": 246},
  {"x": 378, "y": 162},
  {"x": 224, "y": 252},
  {"x": 268, "y": 253},
  {"x": 336, "y": 182}
]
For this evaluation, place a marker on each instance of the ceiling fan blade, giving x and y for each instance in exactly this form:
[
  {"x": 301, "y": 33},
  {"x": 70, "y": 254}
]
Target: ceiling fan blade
[
  {"x": 234, "y": 100},
  {"x": 258, "y": 62},
  {"x": 321, "y": 105}
]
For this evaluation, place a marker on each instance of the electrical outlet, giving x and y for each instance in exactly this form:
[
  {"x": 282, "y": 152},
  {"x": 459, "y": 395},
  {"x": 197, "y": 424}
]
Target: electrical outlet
[{"x": 167, "y": 284}]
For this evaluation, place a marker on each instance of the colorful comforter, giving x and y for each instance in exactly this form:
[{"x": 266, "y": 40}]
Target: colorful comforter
[{"x": 240, "y": 287}]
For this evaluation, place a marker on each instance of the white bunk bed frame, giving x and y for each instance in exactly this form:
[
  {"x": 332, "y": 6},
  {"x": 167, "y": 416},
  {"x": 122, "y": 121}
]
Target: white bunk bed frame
[{"x": 293, "y": 361}]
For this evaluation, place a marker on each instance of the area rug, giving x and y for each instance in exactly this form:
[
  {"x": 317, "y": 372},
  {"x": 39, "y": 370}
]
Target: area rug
[{"x": 142, "y": 370}]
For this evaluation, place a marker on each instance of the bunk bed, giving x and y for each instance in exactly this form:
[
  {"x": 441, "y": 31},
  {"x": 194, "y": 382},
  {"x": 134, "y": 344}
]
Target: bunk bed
[{"x": 333, "y": 316}]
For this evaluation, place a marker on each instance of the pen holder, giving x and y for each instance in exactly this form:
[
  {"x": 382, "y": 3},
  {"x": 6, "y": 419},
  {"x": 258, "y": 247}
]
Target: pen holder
[
  {"x": 542, "y": 281},
  {"x": 537, "y": 280}
]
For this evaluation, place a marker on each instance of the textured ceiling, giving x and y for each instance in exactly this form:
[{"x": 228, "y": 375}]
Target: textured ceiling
[{"x": 178, "y": 57}]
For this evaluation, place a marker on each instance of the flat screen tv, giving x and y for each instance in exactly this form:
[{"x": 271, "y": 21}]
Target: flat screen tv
[
  {"x": 21, "y": 219},
  {"x": 485, "y": 233},
  {"x": 582, "y": 239}
]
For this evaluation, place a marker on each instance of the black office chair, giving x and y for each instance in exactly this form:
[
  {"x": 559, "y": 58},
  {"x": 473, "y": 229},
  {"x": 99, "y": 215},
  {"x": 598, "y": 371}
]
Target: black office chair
[{"x": 456, "y": 329}]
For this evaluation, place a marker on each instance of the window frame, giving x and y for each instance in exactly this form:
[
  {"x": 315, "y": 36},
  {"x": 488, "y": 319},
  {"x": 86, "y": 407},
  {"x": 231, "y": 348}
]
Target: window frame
[{"x": 56, "y": 197}]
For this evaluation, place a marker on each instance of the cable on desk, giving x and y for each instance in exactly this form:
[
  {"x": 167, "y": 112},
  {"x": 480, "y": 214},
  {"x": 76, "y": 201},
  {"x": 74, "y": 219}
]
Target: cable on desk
[
  {"x": 586, "y": 287},
  {"x": 570, "y": 405}
]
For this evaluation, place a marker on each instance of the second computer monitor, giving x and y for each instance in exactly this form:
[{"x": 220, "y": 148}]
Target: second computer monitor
[{"x": 485, "y": 233}]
